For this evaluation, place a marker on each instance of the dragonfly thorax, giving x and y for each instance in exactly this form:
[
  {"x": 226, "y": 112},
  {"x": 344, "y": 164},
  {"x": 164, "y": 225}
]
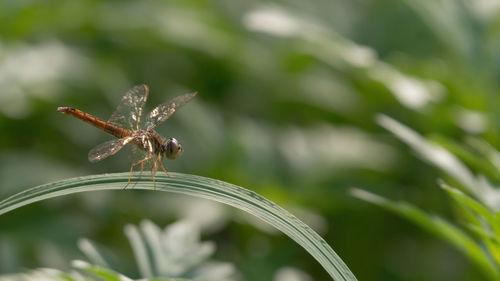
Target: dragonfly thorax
[{"x": 150, "y": 141}]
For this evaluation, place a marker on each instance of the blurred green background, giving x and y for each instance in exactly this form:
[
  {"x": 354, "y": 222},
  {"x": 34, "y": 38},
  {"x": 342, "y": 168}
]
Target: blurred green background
[{"x": 288, "y": 92}]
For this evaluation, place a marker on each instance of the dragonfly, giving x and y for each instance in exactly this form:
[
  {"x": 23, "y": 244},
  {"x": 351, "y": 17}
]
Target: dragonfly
[{"x": 126, "y": 125}]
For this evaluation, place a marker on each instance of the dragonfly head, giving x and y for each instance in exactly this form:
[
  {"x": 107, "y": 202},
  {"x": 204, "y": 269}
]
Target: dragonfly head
[{"x": 172, "y": 148}]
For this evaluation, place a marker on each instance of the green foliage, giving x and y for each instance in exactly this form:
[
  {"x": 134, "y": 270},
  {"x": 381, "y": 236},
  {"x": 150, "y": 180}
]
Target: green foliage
[
  {"x": 287, "y": 95},
  {"x": 233, "y": 195},
  {"x": 478, "y": 233},
  {"x": 86, "y": 272},
  {"x": 173, "y": 257}
]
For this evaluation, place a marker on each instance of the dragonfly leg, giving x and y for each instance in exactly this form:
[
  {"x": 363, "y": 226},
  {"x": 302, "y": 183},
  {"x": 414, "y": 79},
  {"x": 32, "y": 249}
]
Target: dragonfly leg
[
  {"x": 163, "y": 168},
  {"x": 153, "y": 172},
  {"x": 153, "y": 178},
  {"x": 135, "y": 164},
  {"x": 142, "y": 169}
]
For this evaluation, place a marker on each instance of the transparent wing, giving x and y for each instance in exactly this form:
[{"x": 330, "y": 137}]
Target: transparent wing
[
  {"x": 139, "y": 154},
  {"x": 163, "y": 111},
  {"x": 129, "y": 111},
  {"x": 104, "y": 150}
]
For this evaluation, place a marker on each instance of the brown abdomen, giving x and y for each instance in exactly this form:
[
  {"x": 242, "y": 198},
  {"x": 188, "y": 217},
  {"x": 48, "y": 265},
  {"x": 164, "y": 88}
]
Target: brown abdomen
[{"x": 103, "y": 125}]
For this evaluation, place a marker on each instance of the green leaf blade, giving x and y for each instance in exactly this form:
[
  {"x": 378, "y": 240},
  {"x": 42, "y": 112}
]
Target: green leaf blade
[
  {"x": 212, "y": 189},
  {"x": 437, "y": 226}
]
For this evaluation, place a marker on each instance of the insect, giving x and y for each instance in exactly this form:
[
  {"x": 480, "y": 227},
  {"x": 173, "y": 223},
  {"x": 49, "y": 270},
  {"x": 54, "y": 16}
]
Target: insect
[{"x": 125, "y": 124}]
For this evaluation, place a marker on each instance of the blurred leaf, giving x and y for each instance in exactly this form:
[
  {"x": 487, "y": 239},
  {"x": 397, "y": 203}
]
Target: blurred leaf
[
  {"x": 450, "y": 21},
  {"x": 340, "y": 52},
  {"x": 484, "y": 220},
  {"x": 45, "y": 274},
  {"x": 105, "y": 274},
  {"x": 487, "y": 151},
  {"x": 175, "y": 251},
  {"x": 233, "y": 195},
  {"x": 468, "y": 203},
  {"x": 435, "y": 225},
  {"x": 88, "y": 271},
  {"x": 472, "y": 158},
  {"x": 445, "y": 161},
  {"x": 91, "y": 252},
  {"x": 100, "y": 272}
]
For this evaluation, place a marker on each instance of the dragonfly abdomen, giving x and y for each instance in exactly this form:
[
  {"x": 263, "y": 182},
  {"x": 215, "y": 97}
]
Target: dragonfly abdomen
[{"x": 94, "y": 121}]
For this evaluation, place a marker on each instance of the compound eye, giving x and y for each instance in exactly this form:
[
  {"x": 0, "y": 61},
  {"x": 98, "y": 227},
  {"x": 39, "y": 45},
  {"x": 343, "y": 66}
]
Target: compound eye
[
  {"x": 179, "y": 149},
  {"x": 173, "y": 149}
]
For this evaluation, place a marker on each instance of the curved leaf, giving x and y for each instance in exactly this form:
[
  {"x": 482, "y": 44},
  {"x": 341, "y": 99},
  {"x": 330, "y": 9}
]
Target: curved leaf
[{"x": 216, "y": 190}]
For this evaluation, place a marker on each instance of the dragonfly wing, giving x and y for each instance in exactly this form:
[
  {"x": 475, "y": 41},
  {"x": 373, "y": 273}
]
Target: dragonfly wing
[
  {"x": 129, "y": 111},
  {"x": 139, "y": 154},
  {"x": 104, "y": 150},
  {"x": 163, "y": 111}
]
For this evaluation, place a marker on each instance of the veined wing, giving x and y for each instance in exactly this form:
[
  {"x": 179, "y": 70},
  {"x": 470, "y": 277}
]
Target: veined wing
[
  {"x": 104, "y": 150},
  {"x": 139, "y": 154},
  {"x": 129, "y": 111},
  {"x": 163, "y": 111}
]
